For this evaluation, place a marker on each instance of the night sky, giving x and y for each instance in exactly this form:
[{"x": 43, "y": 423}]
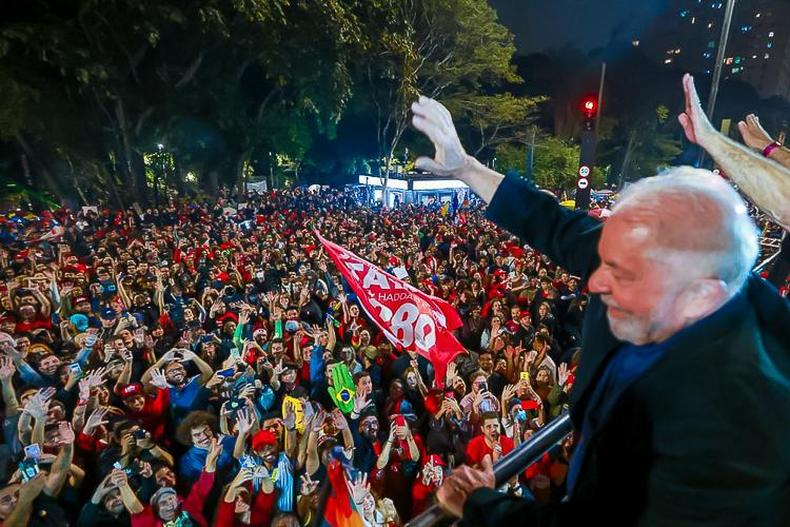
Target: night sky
[{"x": 586, "y": 24}]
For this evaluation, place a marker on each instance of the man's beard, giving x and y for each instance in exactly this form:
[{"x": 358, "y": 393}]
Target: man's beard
[{"x": 628, "y": 329}]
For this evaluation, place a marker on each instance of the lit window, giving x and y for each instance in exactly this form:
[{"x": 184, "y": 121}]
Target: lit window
[
  {"x": 771, "y": 34},
  {"x": 708, "y": 54},
  {"x": 711, "y": 44},
  {"x": 767, "y": 56},
  {"x": 684, "y": 13},
  {"x": 693, "y": 20},
  {"x": 757, "y": 15},
  {"x": 668, "y": 61},
  {"x": 728, "y": 61},
  {"x": 754, "y": 56},
  {"x": 635, "y": 43},
  {"x": 736, "y": 70},
  {"x": 677, "y": 51},
  {"x": 710, "y": 25},
  {"x": 737, "y": 60},
  {"x": 770, "y": 45}
]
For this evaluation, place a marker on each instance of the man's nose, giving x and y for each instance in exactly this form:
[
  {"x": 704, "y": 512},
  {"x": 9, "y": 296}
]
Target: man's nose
[{"x": 598, "y": 283}]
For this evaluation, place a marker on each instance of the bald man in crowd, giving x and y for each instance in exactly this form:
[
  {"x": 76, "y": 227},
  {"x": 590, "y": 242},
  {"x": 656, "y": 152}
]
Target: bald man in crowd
[{"x": 682, "y": 395}]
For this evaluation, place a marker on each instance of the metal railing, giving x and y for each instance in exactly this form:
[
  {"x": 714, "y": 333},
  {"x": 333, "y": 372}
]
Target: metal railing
[
  {"x": 759, "y": 268},
  {"x": 514, "y": 463}
]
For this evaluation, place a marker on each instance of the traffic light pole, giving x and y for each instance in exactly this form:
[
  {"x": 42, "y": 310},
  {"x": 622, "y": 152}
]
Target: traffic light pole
[{"x": 586, "y": 163}]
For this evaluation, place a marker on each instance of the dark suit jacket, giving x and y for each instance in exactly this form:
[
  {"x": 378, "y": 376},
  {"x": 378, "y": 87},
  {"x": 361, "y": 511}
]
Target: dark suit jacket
[{"x": 701, "y": 438}]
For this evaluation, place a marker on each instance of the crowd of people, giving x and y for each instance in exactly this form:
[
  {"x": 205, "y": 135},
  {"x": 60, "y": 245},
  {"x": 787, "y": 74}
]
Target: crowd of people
[
  {"x": 181, "y": 366},
  {"x": 176, "y": 367}
]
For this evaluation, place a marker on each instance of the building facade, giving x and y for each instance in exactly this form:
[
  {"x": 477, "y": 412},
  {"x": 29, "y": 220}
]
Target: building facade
[{"x": 758, "y": 51}]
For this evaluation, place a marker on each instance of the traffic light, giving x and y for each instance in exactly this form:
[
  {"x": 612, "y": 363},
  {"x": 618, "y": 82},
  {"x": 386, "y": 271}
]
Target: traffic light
[{"x": 589, "y": 108}]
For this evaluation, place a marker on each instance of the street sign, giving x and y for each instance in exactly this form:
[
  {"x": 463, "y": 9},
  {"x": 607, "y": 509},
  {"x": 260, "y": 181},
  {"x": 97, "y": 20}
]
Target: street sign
[
  {"x": 583, "y": 183},
  {"x": 584, "y": 171}
]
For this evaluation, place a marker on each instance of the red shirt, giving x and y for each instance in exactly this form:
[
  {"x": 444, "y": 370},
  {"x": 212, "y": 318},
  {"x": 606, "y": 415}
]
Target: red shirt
[
  {"x": 39, "y": 322},
  {"x": 261, "y": 510},
  {"x": 192, "y": 505},
  {"x": 477, "y": 449},
  {"x": 154, "y": 413}
]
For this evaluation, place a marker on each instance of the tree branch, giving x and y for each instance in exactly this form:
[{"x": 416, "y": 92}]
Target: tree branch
[{"x": 189, "y": 74}]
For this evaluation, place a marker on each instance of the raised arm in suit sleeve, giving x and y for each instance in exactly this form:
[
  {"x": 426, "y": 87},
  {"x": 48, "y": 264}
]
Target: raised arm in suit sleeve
[{"x": 568, "y": 238}]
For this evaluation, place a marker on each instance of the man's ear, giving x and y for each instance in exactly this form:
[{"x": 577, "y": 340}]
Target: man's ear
[{"x": 703, "y": 296}]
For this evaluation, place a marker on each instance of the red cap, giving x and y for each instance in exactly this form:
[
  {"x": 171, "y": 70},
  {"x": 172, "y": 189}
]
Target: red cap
[
  {"x": 131, "y": 390},
  {"x": 263, "y": 438}
]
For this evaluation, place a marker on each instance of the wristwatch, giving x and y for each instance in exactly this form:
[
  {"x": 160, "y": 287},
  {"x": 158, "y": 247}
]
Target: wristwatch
[{"x": 768, "y": 150}]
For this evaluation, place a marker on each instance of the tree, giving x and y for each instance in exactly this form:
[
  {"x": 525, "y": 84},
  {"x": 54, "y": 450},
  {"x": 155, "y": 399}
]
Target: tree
[
  {"x": 555, "y": 165},
  {"x": 652, "y": 145},
  {"x": 447, "y": 48},
  {"x": 216, "y": 82},
  {"x": 488, "y": 121}
]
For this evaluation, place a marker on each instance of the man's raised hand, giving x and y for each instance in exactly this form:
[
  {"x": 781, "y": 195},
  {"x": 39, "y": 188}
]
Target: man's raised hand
[
  {"x": 7, "y": 368},
  {"x": 95, "y": 420},
  {"x": 66, "y": 434},
  {"x": 434, "y": 120},
  {"x": 695, "y": 123},
  {"x": 158, "y": 379}
]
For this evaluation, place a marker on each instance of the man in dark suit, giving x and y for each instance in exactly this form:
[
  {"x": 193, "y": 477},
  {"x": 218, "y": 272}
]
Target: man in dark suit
[{"x": 682, "y": 395}]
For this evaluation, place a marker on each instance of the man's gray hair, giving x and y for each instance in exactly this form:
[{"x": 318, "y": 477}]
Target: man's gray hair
[{"x": 701, "y": 218}]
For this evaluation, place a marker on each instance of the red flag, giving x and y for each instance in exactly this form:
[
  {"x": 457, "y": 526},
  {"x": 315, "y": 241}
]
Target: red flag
[{"x": 408, "y": 317}]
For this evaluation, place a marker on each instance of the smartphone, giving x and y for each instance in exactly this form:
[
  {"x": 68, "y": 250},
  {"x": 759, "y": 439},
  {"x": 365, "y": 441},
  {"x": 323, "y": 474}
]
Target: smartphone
[
  {"x": 90, "y": 340},
  {"x": 75, "y": 368},
  {"x": 140, "y": 433},
  {"x": 28, "y": 468},
  {"x": 33, "y": 451},
  {"x": 130, "y": 471}
]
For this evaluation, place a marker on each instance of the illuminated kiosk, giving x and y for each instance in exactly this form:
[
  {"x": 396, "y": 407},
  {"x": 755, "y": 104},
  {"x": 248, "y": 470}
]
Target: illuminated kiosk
[{"x": 420, "y": 189}]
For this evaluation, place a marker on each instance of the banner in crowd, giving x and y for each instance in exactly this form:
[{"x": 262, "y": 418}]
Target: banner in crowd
[{"x": 409, "y": 318}]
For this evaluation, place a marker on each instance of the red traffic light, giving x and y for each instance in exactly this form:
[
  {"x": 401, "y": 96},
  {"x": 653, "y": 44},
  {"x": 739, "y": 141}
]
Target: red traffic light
[{"x": 589, "y": 106}]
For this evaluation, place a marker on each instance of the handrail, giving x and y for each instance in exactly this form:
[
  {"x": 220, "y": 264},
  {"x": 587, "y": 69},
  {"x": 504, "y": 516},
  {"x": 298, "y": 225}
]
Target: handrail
[
  {"x": 762, "y": 265},
  {"x": 514, "y": 463}
]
